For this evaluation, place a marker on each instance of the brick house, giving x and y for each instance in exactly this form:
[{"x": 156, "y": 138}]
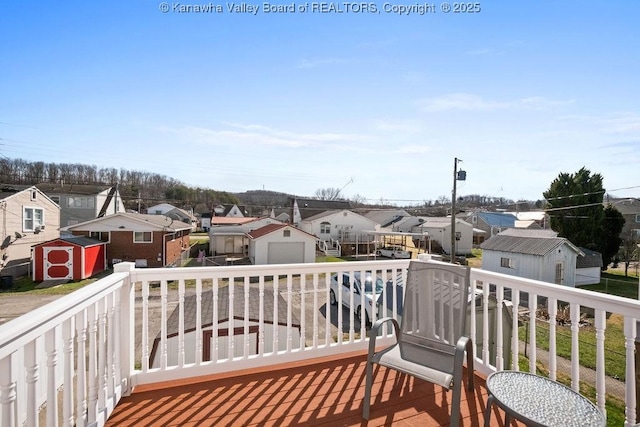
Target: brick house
[{"x": 147, "y": 240}]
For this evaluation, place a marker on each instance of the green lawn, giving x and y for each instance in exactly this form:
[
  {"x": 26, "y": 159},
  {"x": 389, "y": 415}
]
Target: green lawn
[{"x": 616, "y": 284}]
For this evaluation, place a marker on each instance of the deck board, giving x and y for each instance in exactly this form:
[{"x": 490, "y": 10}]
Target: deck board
[{"x": 320, "y": 392}]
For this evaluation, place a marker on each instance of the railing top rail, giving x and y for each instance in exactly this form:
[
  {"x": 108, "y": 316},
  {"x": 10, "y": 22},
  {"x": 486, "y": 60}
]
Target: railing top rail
[
  {"x": 612, "y": 303},
  {"x": 15, "y": 334}
]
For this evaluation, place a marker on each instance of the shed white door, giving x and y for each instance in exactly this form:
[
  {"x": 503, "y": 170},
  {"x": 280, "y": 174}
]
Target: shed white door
[
  {"x": 285, "y": 253},
  {"x": 58, "y": 263}
]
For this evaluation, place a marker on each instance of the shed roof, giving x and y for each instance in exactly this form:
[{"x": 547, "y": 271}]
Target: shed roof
[
  {"x": 589, "y": 260},
  {"x": 539, "y": 246},
  {"x": 270, "y": 228},
  {"x": 76, "y": 240}
]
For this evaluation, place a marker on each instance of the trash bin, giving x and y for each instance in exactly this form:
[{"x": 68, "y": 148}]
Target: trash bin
[{"x": 6, "y": 282}]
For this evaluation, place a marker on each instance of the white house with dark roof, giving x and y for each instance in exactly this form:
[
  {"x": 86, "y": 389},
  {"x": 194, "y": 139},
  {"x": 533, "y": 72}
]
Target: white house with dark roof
[
  {"x": 588, "y": 267},
  {"x": 227, "y": 325},
  {"x": 439, "y": 230},
  {"x": 534, "y": 254},
  {"x": 281, "y": 244},
  {"x": 230, "y": 237}
]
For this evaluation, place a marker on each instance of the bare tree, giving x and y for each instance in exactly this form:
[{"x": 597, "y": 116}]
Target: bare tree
[
  {"x": 628, "y": 249},
  {"x": 329, "y": 193}
]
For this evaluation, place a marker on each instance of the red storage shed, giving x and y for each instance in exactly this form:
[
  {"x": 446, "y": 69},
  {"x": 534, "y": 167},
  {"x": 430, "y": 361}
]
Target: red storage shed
[{"x": 72, "y": 258}]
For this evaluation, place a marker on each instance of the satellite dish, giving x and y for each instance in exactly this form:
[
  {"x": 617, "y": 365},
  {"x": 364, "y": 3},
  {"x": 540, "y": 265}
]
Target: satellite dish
[{"x": 18, "y": 235}]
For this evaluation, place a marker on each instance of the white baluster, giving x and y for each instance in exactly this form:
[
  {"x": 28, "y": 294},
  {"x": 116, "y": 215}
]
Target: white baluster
[
  {"x": 247, "y": 336},
  {"x": 515, "y": 349},
  {"x": 52, "y": 390},
  {"x": 630, "y": 409},
  {"x": 499, "y": 327},
  {"x": 181, "y": 323},
  {"x": 198, "y": 359},
  {"x": 485, "y": 324},
  {"x": 472, "y": 316},
  {"x": 102, "y": 353},
  {"x": 261, "y": 338},
  {"x": 601, "y": 326},
  {"x": 231, "y": 338},
  {"x": 81, "y": 379},
  {"x": 327, "y": 320},
  {"x": 533, "y": 339},
  {"x": 32, "y": 378},
  {"x": 575, "y": 349},
  {"x": 303, "y": 322},
  {"x": 289, "y": 310},
  {"x": 93, "y": 371},
  {"x": 7, "y": 393},
  {"x": 111, "y": 338},
  {"x": 163, "y": 324},
  {"x": 215, "y": 320},
  {"x": 68, "y": 361},
  {"x": 276, "y": 329},
  {"x": 552, "y": 306},
  {"x": 316, "y": 311},
  {"x": 146, "y": 363}
]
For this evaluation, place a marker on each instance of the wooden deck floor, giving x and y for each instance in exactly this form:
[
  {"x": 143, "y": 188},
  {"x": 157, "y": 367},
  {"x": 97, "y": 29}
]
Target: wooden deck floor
[{"x": 326, "y": 391}]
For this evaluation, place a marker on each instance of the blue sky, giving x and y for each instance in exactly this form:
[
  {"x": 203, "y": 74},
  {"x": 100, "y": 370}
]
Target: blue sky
[{"x": 294, "y": 102}]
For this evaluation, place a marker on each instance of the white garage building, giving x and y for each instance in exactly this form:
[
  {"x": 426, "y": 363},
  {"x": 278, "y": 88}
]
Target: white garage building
[{"x": 281, "y": 244}]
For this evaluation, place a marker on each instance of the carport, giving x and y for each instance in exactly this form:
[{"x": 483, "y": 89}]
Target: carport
[{"x": 399, "y": 238}]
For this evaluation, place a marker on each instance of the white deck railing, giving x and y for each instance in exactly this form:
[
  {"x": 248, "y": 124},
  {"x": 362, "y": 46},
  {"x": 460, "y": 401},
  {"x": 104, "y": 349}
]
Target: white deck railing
[{"x": 141, "y": 326}]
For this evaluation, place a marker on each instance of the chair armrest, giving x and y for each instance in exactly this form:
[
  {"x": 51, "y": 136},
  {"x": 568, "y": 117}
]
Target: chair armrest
[{"x": 373, "y": 334}]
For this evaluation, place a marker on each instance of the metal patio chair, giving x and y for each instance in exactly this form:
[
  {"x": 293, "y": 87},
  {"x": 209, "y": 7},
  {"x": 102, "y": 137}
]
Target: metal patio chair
[{"x": 431, "y": 342}]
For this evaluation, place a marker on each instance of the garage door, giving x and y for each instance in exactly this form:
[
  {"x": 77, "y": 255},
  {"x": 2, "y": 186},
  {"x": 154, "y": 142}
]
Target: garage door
[
  {"x": 58, "y": 263},
  {"x": 285, "y": 253}
]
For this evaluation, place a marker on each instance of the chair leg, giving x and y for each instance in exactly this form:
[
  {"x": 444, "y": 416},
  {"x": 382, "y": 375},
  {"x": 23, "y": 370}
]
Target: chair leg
[
  {"x": 367, "y": 390},
  {"x": 455, "y": 404},
  {"x": 470, "y": 369}
]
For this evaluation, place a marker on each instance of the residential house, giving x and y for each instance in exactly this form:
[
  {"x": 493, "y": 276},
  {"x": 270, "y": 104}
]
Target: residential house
[
  {"x": 302, "y": 209},
  {"x": 174, "y": 213},
  {"x": 234, "y": 211},
  {"x": 534, "y": 254},
  {"x": 83, "y": 202},
  {"x": 27, "y": 217},
  {"x": 228, "y": 236},
  {"x": 147, "y": 240},
  {"x": 439, "y": 231},
  {"x": 343, "y": 227},
  {"x": 281, "y": 244},
  {"x": 531, "y": 219},
  {"x": 274, "y": 326},
  {"x": 630, "y": 210},
  {"x": 491, "y": 223}
]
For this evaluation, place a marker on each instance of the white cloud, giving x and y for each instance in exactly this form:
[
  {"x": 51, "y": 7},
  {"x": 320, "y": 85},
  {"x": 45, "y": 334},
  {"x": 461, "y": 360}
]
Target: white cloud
[{"x": 471, "y": 102}]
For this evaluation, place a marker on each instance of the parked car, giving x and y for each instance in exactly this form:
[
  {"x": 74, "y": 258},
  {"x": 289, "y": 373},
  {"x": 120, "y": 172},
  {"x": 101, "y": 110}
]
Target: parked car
[
  {"x": 373, "y": 289},
  {"x": 394, "y": 252}
]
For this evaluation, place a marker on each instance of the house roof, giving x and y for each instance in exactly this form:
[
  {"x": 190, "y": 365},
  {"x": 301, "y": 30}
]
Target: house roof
[
  {"x": 310, "y": 207},
  {"x": 161, "y": 222},
  {"x": 226, "y": 220},
  {"x": 627, "y": 206},
  {"x": 529, "y": 232},
  {"x": 539, "y": 246},
  {"x": 334, "y": 212},
  {"x": 206, "y": 310},
  {"x": 497, "y": 219},
  {"x": 7, "y": 191},
  {"x": 589, "y": 260},
  {"x": 386, "y": 217},
  {"x": 270, "y": 228},
  {"x": 83, "y": 189}
]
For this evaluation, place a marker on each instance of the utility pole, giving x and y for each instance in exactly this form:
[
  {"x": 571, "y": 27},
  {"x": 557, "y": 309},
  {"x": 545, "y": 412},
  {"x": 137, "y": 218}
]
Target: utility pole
[{"x": 457, "y": 176}]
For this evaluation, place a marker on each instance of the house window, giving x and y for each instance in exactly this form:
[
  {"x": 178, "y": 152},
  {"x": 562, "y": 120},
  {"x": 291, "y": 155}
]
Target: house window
[
  {"x": 142, "y": 237},
  {"x": 34, "y": 194},
  {"x": 507, "y": 263},
  {"x": 103, "y": 236},
  {"x": 80, "y": 202},
  {"x": 325, "y": 228},
  {"x": 56, "y": 200},
  {"x": 286, "y": 233},
  {"x": 32, "y": 219},
  {"x": 637, "y": 217}
]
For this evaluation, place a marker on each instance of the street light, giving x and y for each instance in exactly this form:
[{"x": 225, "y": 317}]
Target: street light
[{"x": 457, "y": 176}]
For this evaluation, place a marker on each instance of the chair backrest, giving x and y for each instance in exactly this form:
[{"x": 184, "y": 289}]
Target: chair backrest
[{"x": 435, "y": 308}]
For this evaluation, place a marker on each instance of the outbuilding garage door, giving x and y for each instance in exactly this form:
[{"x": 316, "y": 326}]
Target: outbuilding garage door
[{"x": 285, "y": 253}]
